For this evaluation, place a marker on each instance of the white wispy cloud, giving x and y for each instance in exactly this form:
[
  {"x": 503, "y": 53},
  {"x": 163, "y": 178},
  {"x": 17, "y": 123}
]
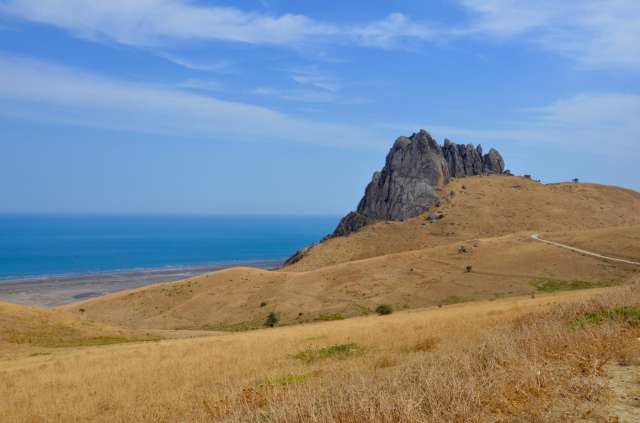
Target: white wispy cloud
[
  {"x": 593, "y": 32},
  {"x": 605, "y": 123},
  {"x": 309, "y": 96},
  {"x": 314, "y": 78},
  {"x": 305, "y": 96},
  {"x": 201, "y": 84},
  {"x": 42, "y": 91},
  {"x": 215, "y": 66},
  {"x": 155, "y": 22},
  {"x": 391, "y": 31}
]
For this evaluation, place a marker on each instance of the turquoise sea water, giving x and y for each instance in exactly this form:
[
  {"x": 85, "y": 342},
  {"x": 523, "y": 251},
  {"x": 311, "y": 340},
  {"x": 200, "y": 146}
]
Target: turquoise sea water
[{"x": 32, "y": 245}]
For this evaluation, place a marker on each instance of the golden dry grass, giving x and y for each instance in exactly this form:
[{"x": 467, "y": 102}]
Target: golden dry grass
[
  {"x": 508, "y": 360},
  {"x": 30, "y": 330},
  {"x": 621, "y": 242},
  {"x": 487, "y": 207},
  {"x": 409, "y": 264},
  {"x": 538, "y": 357},
  {"x": 503, "y": 266}
]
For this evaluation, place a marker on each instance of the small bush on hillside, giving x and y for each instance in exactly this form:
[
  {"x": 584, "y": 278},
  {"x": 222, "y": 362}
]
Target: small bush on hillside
[
  {"x": 384, "y": 309},
  {"x": 263, "y": 304},
  {"x": 272, "y": 319},
  {"x": 626, "y": 314}
]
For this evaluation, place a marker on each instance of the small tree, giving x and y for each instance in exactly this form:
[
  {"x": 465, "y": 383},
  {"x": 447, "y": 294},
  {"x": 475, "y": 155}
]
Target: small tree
[
  {"x": 272, "y": 319},
  {"x": 384, "y": 309},
  {"x": 576, "y": 180}
]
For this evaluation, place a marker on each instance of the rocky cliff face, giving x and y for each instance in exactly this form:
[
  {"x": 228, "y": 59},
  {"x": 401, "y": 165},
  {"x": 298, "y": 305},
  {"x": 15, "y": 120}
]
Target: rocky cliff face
[{"x": 415, "y": 169}]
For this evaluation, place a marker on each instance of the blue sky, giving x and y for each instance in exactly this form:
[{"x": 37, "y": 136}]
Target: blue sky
[{"x": 287, "y": 107}]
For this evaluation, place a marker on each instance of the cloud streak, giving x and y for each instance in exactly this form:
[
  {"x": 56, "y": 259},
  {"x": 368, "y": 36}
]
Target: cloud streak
[
  {"x": 46, "y": 92},
  {"x": 158, "y": 22},
  {"x": 593, "y": 32},
  {"x": 41, "y": 91},
  {"x": 604, "y": 123}
]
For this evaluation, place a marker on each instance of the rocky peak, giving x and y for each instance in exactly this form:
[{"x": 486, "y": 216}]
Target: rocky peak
[{"x": 415, "y": 169}]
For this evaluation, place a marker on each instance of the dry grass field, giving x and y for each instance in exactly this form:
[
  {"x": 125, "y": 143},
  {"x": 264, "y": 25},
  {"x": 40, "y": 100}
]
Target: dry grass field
[
  {"x": 409, "y": 264},
  {"x": 556, "y": 357},
  {"x": 488, "y": 325},
  {"x": 487, "y": 207},
  {"x": 34, "y": 331}
]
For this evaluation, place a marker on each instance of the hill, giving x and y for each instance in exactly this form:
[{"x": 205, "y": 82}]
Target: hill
[
  {"x": 485, "y": 207},
  {"x": 408, "y": 264},
  {"x": 31, "y": 330}
]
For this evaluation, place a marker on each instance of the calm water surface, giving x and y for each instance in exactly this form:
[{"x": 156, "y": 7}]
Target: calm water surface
[{"x": 57, "y": 245}]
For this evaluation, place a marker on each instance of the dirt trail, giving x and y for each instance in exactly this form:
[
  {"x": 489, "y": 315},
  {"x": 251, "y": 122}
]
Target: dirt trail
[{"x": 588, "y": 253}]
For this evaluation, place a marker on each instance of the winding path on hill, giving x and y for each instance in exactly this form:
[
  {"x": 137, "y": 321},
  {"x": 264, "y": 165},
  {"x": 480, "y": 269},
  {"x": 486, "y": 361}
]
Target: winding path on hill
[{"x": 587, "y": 253}]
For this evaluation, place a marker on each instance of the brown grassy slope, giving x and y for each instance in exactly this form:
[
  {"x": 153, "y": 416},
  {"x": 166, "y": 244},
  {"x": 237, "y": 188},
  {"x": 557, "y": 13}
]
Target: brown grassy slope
[
  {"x": 509, "y": 265},
  {"x": 486, "y": 361},
  {"x": 26, "y": 330},
  {"x": 489, "y": 206},
  {"x": 621, "y": 242}
]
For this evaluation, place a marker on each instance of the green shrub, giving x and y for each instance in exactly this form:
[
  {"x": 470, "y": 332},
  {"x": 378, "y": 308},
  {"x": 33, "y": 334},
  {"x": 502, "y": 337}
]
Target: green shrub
[
  {"x": 384, "y": 309},
  {"x": 627, "y": 314},
  {"x": 272, "y": 319}
]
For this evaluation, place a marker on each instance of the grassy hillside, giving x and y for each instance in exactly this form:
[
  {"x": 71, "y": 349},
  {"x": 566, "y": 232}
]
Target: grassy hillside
[
  {"x": 549, "y": 358},
  {"x": 487, "y": 226},
  {"x": 31, "y": 330},
  {"x": 515, "y": 329},
  {"x": 485, "y": 207}
]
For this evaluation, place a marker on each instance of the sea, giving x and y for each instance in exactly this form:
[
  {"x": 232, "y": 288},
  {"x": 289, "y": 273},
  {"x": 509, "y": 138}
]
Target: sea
[{"x": 54, "y": 259}]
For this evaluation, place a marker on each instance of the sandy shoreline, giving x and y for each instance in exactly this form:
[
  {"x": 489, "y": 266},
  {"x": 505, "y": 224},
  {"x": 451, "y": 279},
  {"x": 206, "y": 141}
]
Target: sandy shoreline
[{"x": 50, "y": 291}]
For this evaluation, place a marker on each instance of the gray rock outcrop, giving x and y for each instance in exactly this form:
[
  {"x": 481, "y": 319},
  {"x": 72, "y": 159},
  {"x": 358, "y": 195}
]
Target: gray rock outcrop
[{"x": 415, "y": 169}]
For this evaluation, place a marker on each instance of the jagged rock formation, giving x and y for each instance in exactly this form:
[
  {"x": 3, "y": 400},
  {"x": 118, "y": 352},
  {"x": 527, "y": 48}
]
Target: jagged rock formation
[{"x": 415, "y": 169}]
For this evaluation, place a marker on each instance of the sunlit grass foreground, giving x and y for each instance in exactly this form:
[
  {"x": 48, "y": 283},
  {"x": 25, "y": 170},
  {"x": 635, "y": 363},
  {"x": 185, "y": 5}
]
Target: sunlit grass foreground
[{"x": 543, "y": 359}]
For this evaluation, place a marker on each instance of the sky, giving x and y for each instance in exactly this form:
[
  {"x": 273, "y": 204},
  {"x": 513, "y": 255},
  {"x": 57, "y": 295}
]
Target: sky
[{"x": 288, "y": 107}]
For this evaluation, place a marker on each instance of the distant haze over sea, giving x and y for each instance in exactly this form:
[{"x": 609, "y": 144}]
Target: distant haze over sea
[{"x": 43, "y": 245}]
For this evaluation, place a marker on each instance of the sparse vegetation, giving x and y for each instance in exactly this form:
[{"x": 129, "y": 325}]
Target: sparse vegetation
[
  {"x": 499, "y": 362},
  {"x": 272, "y": 319},
  {"x": 339, "y": 351},
  {"x": 62, "y": 340},
  {"x": 556, "y": 285},
  {"x": 329, "y": 317},
  {"x": 384, "y": 309},
  {"x": 228, "y": 327},
  {"x": 453, "y": 299},
  {"x": 625, "y": 314}
]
